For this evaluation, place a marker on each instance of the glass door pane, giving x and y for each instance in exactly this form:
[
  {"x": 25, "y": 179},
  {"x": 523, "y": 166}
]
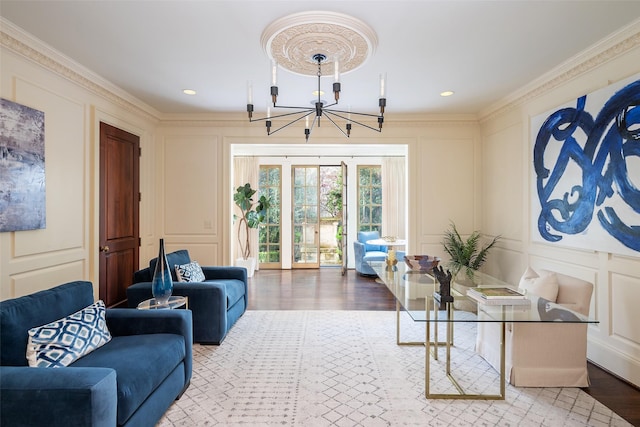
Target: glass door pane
[
  {"x": 343, "y": 225},
  {"x": 306, "y": 217},
  {"x": 269, "y": 244}
]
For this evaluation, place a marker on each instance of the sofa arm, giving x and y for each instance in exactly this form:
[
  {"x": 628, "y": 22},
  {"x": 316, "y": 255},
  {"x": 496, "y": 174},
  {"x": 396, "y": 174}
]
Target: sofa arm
[
  {"x": 215, "y": 273},
  {"x": 58, "y": 397},
  {"x": 125, "y": 321},
  {"x": 207, "y": 302}
]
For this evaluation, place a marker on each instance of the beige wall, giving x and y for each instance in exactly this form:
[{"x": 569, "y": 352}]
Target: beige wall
[
  {"x": 506, "y": 192},
  {"x": 74, "y": 102},
  {"x": 473, "y": 172}
]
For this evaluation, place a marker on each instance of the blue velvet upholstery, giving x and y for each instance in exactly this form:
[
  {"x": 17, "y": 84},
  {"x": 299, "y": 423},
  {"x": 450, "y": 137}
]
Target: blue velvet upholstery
[
  {"x": 216, "y": 304},
  {"x": 130, "y": 381},
  {"x": 364, "y": 252}
]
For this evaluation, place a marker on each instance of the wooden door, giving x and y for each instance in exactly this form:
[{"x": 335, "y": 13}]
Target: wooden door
[{"x": 119, "y": 207}]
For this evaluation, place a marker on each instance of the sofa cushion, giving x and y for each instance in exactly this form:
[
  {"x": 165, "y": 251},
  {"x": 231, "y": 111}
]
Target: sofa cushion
[
  {"x": 374, "y": 256},
  {"x": 191, "y": 272},
  {"x": 173, "y": 259},
  {"x": 141, "y": 362},
  {"x": 545, "y": 286},
  {"x": 63, "y": 341},
  {"x": 19, "y": 315}
]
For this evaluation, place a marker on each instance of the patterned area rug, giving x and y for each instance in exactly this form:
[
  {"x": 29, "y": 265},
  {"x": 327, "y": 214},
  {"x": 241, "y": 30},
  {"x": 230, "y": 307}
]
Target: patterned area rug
[{"x": 343, "y": 368}]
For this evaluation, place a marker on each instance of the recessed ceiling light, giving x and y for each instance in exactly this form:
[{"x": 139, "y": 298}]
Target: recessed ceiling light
[
  {"x": 315, "y": 93},
  {"x": 189, "y": 92},
  {"x": 447, "y": 93}
]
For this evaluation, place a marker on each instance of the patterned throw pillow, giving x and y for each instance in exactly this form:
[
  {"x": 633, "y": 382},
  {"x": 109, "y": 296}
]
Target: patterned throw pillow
[
  {"x": 60, "y": 343},
  {"x": 191, "y": 272}
]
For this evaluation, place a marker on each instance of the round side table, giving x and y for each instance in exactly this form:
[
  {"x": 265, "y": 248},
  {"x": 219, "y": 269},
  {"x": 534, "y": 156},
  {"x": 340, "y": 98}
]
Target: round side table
[{"x": 174, "y": 302}]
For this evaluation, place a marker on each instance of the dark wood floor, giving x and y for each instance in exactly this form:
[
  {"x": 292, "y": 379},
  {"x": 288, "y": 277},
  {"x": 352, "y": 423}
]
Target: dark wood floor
[{"x": 326, "y": 289}]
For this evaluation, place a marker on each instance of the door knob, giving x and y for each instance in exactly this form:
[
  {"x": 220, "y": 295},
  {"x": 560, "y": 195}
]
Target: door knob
[{"x": 104, "y": 248}]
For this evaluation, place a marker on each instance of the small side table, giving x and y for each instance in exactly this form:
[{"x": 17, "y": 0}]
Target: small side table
[
  {"x": 174, "y": 302},
  {"x": 390, "y": 245}
]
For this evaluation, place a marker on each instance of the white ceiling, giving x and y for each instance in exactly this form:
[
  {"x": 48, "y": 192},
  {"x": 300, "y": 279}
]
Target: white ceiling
[{"x": 482, "y": 50}]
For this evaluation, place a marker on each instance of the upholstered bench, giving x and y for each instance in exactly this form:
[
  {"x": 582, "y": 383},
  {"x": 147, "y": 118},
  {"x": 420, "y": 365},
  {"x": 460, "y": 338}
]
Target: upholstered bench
[{"x": 537, "y": 354}]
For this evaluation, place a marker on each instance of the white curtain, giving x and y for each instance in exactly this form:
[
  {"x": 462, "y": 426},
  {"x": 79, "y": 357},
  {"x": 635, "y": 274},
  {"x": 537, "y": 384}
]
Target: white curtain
[
  {"x": 394, "y": 198},
  {"x": 245, "y": 169}
]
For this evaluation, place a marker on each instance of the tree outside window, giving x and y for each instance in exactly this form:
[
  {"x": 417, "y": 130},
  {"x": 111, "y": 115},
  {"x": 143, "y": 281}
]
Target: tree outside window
[{"x": 370, "y": 198}]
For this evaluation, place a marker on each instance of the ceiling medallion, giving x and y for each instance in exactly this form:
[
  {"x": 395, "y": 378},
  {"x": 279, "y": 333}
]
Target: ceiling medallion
[
  {"x": 302, "y": 44},
  {"x": 292, "y": 41}
]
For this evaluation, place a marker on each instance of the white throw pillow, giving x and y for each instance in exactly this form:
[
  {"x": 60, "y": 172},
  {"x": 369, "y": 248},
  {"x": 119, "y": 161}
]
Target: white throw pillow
[
  {"x": 191, "y": 272},
  {"x": 545, "y": 286},
  {"x": 60, "y": 343}
]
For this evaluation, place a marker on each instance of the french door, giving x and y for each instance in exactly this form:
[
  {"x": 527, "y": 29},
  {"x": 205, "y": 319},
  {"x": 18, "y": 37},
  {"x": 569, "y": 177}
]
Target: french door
[
  {"x": 345, "y": 219},
  {"x": 306, "y": 216}
]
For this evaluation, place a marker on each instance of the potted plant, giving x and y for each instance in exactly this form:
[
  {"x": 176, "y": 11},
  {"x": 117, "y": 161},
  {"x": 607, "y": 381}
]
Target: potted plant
[
  {"x": 252, "y": 215},
  {"x": 465, "y": 254}
]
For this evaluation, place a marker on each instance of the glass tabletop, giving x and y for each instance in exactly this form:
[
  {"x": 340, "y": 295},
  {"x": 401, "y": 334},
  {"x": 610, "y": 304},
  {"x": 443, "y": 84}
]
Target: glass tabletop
[
  {"x": 414, "y": 291},
  {"x": 174, "y": 301}
]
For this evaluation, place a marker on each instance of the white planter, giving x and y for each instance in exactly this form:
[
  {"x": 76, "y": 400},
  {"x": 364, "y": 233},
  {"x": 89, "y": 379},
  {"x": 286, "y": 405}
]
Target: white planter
[{"x": 249, "y": 264}]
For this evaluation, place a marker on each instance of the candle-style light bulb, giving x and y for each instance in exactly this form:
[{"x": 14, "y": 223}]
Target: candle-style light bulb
[
  {"x": 383, "y": 85},
  {"x": 274, "y": 82},
  {"x": 274, "y": 73},
  {"x": 336, "y": 80},
  {"x": 249, "y": 92},
  {"x": 306, "y": 122}
]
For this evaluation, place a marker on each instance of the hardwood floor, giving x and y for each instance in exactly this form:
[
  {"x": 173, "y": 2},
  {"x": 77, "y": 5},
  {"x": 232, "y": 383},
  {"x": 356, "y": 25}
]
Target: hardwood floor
[{"x": 326, "y": 289}]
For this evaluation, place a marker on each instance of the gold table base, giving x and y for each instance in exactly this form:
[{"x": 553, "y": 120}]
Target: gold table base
[{"x": 448, "y": 343}]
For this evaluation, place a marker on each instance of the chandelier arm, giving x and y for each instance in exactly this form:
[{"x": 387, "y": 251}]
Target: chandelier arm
[
  {"x": 328, "y": 116},
  {"x": 356, "y": 122},
  {"x": 306, "y": 112},
  {"x": 291, "y": 122},
  {"x": 291, "y": 106},
  {"x": 352, "y": 112}
]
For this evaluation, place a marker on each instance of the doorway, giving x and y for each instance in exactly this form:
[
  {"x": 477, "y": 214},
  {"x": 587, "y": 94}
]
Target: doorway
[
  {"x": 317, "y": 220},
  {"x": 119, "y": 213}
]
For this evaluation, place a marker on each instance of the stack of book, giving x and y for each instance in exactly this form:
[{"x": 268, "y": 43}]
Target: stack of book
[{"x": 497, "y": 296}]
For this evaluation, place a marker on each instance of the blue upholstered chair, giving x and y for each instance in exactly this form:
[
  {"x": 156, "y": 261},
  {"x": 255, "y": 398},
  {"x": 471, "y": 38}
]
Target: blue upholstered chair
[
  {"x": 129, "y": 381},
  {"x": 217, "y": 303},
  {"x": 364, "y": 252}
]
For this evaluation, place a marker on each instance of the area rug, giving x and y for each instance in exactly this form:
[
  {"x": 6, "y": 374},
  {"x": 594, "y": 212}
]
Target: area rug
[{"x": 343, "y": 368}]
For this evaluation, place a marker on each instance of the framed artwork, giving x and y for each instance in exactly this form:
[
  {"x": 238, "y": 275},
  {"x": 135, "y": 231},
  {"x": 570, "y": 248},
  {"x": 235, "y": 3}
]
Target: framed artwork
[
  {"x": 586, "y": 167},
  {"x": 22, "y": 173}
]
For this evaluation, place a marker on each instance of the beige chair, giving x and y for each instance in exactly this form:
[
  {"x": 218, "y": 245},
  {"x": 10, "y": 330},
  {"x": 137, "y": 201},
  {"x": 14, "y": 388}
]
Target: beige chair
[{"x": 542, "y": 355}]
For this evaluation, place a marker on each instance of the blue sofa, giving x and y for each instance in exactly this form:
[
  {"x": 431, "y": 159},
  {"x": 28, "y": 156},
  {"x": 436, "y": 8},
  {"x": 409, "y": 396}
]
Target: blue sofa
[
  {"x": 130, "y": 381},
  {"x": 217, "y": 303},
  {"x": 364, "y": 252}
]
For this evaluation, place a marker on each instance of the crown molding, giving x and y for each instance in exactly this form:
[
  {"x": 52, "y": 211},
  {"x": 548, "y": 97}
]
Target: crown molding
[
  {"x": 24, "y": 44},
  {"x": 618, "y": 43}
]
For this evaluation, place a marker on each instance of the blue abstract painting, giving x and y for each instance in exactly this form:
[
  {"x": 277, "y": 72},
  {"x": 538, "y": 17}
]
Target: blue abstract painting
[
  {"x": 586, "y": 163},
  {"x": 22, "y": 173}
]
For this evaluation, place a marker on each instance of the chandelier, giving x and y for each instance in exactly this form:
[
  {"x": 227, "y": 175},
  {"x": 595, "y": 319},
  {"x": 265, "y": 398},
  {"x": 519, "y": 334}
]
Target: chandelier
[{"x": 302, "y": 43}]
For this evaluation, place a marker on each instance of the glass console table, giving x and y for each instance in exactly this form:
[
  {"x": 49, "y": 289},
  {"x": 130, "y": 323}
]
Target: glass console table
[{"x": 415, "y": 293}]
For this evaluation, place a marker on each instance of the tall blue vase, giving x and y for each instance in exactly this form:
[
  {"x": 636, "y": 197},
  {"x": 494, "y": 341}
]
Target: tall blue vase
[{"x": 162, "y": 285}]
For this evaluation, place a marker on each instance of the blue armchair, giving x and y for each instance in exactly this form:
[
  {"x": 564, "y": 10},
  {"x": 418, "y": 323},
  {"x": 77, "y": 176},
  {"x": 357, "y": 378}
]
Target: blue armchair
[
  {"x": 364, "y": 252},
  {"x": 130, "y": 381},
  {"x": 217, "y": 303}
]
